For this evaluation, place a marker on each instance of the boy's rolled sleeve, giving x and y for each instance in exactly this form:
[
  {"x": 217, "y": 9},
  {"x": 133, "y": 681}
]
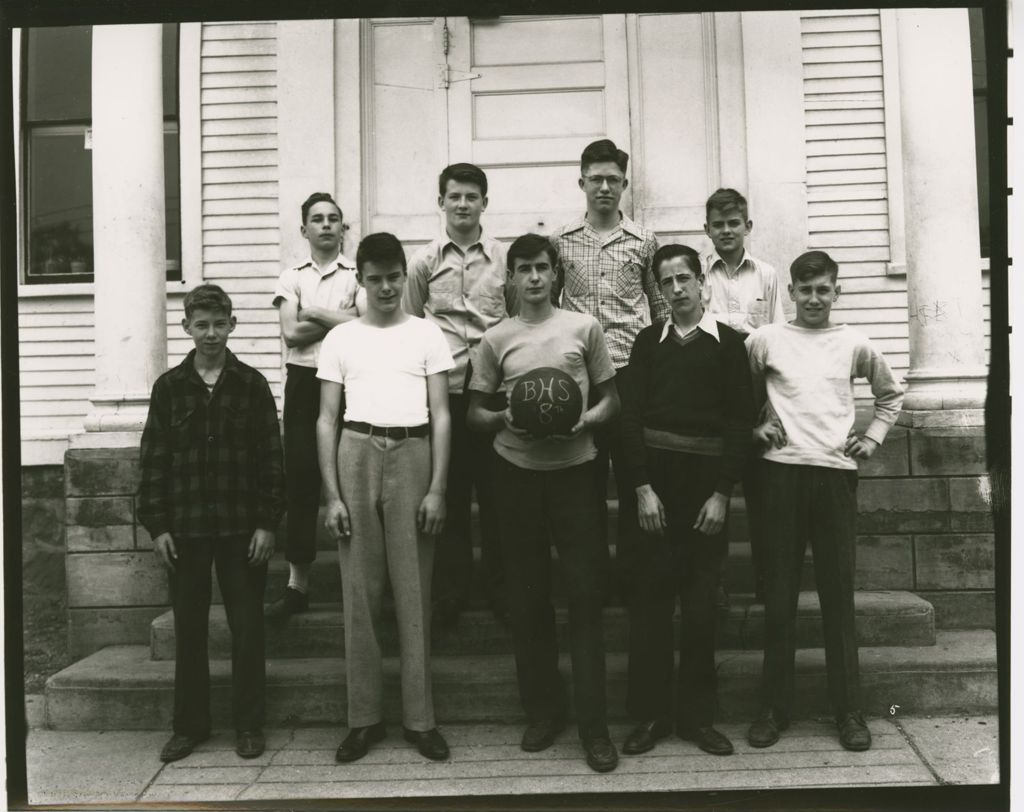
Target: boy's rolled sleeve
[
  {"x": 417, "y": 287},
  {"x": 287, "y": 287},
  {"x": 486, "y": 371},
  {"x": 155, "y": 462}
]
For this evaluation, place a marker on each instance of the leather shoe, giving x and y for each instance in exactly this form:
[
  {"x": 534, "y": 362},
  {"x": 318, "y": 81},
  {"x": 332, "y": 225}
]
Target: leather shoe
[
  {"x": 541, "y": 735},
  {"x": 709, "y": 740},
  {"x": 645, "y": 735},
  {"x": 290, "y": 603},
  {"x": 430, "y": 743},
  {"x": 357, "y": 742},
  {"x": 764, "y": 732},
  {"x": 181, "y": 745},
  {"x": 853, "y": 732},
  {"x": 602, "y": 756},
  {"x": 249, "y": 743}
]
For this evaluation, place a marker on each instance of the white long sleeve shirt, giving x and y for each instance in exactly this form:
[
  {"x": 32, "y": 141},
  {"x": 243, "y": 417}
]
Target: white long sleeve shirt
[{"x": 807, "y": 375}]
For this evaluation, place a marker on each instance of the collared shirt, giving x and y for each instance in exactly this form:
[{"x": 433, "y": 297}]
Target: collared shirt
[
  {"x": 308, "y": 285},
  {"x": 707, "y": 324},
  {"x": 610, "y": 278},
  {"x": 462, "y": 292},
  {"x": 211, "y": 461},
  {"x": 745, "y": 299}
]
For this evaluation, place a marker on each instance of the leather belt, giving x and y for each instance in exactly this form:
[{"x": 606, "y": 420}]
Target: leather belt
[{"x": 391, "y": 432}]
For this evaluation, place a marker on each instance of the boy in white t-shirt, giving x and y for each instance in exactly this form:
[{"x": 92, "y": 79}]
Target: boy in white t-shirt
[
  {"x": 805, "y": 370},
  {"x": 386, "y": 503}
]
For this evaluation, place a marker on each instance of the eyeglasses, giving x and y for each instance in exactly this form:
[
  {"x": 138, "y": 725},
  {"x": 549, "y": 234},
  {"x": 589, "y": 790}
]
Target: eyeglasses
[{"x": 613, "y": 181}]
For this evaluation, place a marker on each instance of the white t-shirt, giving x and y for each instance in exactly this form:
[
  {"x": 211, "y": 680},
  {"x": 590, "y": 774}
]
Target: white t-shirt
[{"x": 384, "y": 369}]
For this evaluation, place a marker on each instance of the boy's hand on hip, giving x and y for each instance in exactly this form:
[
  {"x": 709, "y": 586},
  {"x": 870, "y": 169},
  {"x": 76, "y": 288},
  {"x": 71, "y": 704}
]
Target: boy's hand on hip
[
  {"x": 860, "y": 448},
  {"x": 337, "y": 521},
  {"x": 650, "y": 510},
  {"x": 770, "y": 434},
  {"x": 431, "y": 514},
  {"x": 261, "y": 547},
  {"x": 163, "y": 546},
  {"x": 711, "y": 518}
]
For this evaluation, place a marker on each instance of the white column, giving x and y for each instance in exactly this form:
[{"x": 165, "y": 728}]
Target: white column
[
  {"x": 947, "y": 359},
  {"x": 129, "y": 228}
]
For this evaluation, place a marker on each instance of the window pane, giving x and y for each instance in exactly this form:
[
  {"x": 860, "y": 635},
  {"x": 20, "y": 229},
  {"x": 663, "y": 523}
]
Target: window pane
[
  {"x": 60, "y": 203},
  {"x": 170, "y": 72},
  {"x": 59, "y": 73},
  {"x": 172, "y": 186}
]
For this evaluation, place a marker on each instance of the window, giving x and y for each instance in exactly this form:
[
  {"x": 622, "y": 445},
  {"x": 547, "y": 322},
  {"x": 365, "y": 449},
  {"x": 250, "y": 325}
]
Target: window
[
  {"x": 57, "y": 93},
  {"x": 980, "y": 77}
]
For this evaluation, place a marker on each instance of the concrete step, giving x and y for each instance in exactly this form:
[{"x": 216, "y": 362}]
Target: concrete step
[
  {"x": 883, "y": 619},
  {"x": 325, "y": 577},
  {"x": 120, "y": 687}
]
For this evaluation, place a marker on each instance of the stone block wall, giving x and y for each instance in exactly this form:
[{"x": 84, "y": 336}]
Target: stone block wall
[
  {"x": 925, "y": 523},
  {"x": 115, "y": 584}
]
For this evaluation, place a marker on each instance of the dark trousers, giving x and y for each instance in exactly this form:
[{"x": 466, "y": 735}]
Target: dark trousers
[
  {"x": 469, "y": 467},
  {"x": 810, "y": 504},
  {"x": 241, "y": 587},
  {"x": 302, "y": 470},
  {"x": 753, "y": 496},
  {"x": 608, "y": 439},
  {"x": 534, "y": 507},
  {"x": 681, "y": 563}
]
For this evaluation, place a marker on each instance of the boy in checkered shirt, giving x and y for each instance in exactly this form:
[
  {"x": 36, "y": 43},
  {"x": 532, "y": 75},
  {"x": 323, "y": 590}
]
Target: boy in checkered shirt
[{"x": 212, "y": 495}]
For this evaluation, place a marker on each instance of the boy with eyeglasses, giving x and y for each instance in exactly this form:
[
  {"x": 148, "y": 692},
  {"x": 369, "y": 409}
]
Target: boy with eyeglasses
[{"x": 605, "y": 271}]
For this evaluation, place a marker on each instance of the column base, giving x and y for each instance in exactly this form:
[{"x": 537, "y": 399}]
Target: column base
[
  {"x": 946, "y": 389},
  {"x": 126, "y": 413}
]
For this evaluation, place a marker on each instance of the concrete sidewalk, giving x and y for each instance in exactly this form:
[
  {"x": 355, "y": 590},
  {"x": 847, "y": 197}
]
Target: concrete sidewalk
[{"x": 89, "y": 767}]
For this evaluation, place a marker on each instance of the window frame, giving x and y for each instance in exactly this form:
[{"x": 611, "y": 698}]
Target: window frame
[{"x": 189, "y": 173}]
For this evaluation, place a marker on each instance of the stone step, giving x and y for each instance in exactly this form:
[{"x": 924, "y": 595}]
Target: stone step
[
  {"x": 883, "y": 619},
  {"x": 120, "y": 687},
  {"x": 325, "y": 577}
]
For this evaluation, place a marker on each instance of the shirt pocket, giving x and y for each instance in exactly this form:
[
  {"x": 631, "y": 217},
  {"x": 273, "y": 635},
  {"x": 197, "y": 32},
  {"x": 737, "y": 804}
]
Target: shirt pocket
[
  {"x": 575, "y": 279},
  {"x": 758, "y": 312},
  {"x": 185, "y": 427},
  {"x": 627, "y": 281},
  {"x": 489, "y": 296},
  {"x": 445, "y": 291}
]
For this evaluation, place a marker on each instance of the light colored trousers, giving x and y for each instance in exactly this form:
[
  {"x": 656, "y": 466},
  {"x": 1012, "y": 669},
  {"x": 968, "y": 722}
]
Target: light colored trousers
[{"x": 382, "y": 483}]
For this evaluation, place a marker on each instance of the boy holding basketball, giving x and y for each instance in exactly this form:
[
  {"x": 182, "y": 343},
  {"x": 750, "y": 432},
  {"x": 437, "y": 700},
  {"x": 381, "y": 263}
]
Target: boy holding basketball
[{"x": 543, "y": 488}]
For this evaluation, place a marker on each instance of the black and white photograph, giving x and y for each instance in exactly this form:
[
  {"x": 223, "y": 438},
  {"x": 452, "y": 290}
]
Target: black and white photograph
[{"x": 605, "y": 408}]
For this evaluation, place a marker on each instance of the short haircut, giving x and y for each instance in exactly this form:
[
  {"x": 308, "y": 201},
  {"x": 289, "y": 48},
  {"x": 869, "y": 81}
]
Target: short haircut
[
  {"x": 602, "y": 151},
  {"x": 726, "y": 200},
  {"x": 813, "y": 263},
  {"x": 207, "y": 297},
  {"x": 381, "y": 249},
  {"x": 671, "y": 251},
  {"x": 527, "y": 247},
  {"x": 318, "y": 197},
  {"x": 462, "y": 173}
]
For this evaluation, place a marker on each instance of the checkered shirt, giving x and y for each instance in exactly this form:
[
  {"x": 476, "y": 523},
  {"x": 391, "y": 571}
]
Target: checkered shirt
[
  {"x": 211, "y": 463},
  {"x": 611, "y": 279}
]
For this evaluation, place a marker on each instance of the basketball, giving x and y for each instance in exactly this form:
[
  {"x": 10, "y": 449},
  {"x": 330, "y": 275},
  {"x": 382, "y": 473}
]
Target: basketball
[{"x": 546, "y": 401}]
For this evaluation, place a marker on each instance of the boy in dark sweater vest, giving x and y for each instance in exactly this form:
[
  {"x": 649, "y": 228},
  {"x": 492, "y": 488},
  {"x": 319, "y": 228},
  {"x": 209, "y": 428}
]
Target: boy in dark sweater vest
[{"x": 687, "y": 418}]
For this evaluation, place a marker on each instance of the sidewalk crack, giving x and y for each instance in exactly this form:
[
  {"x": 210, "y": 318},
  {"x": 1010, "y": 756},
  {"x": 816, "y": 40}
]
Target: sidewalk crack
[
  {"x": 263, "y": 768},
  {"x": 917, "y": 751}
]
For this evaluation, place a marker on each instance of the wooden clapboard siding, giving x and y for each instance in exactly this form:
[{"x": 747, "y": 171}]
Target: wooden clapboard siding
[
  {"x": 56, "y": 364},
  {"x": 847, "y": 194},
  {"x": 240, "y": 234}
]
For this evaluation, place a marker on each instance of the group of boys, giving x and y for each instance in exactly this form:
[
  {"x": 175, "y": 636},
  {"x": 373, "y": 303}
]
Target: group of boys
[{"x": 691, "y": 380}]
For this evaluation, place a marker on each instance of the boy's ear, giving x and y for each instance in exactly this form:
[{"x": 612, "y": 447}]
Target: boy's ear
[
  {"x": 302, "y": 231},
  {"x": 184, "y": 325},
  {"x": 440, "y": 201},
  {"x": 483, "y": 203},
  {"x": 750, "y": 225},
  {"x": 232, "y": 323},
  {"x": 838, "y": 291},
  {"x": 789, "y": 287},
  {"x": 581, "y": 182}
]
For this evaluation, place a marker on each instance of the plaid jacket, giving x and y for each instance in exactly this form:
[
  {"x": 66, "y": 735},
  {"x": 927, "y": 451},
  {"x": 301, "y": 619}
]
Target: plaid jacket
[{"x": 211, "y": 466}]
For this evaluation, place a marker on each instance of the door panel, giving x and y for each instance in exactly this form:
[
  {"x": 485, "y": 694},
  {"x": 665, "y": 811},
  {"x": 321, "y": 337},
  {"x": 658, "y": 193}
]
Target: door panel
[
  {"x": 406, "y": 136},
  {"x": 675, "y": 121},
  {"x": 541, "y": 90}
]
